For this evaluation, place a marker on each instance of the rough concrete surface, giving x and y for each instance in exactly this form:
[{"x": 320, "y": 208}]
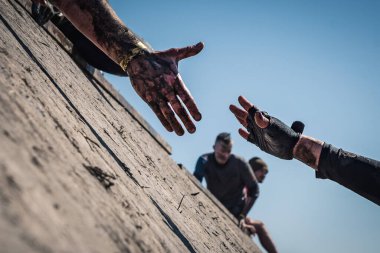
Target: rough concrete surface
[{"x": 78, "y": 173}]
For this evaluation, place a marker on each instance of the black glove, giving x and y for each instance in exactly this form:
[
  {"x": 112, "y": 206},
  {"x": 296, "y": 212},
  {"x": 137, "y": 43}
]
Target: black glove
[{"x": 277, "y": 138}]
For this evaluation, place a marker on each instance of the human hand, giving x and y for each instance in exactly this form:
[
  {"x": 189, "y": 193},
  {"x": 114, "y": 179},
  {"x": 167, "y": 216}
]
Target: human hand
[
  {"x": 243, "y": 226},
  {"x": 268, "y": 133},
  {"x": 42, "y": 11},
  {"x": 246, "y": 227},
  {"x": 156, "y": 79}
]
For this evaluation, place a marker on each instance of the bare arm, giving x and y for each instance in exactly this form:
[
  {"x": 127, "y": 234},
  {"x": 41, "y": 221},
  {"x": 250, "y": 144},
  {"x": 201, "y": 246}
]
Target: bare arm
[
  {"x": 99, "y": 23},
  {"x": 308, "y": 150},
  {"x": 154, "y": 74},
  {"x": 251, "y": 187}
]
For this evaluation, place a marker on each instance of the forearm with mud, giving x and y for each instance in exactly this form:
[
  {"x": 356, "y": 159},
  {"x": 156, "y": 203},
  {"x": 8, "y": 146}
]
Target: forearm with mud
[
  {"x": 308, "y": 150},
  {"x": 100, "y": 24}
]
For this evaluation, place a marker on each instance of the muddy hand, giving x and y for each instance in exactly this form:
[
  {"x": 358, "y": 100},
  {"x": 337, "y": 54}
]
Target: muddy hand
[{"x": 156, "y": 79}]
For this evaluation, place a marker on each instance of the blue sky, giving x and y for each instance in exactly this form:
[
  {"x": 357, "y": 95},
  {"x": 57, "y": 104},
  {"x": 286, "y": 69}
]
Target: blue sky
[{"x": 315, "y": 61}]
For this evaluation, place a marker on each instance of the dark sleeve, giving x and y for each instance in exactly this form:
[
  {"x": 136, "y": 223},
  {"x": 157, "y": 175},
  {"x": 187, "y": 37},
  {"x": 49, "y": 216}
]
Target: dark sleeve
[
  {"x": 249, "y": 180},
  {"x": 199, "y": 171},
  {"x": 357, "y": 173}
]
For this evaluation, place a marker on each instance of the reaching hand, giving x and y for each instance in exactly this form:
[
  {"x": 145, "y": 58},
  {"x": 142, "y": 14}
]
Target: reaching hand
[
  {"x": 155, "y": 78},
  {"x": 268, "y": 133}
]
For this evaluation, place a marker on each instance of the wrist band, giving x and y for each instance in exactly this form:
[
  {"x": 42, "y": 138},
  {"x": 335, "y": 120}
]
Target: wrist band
[{"x": 140, "y": 49}]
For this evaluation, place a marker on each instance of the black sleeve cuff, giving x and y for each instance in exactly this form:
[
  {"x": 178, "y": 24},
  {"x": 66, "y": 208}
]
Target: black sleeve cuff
[
  {"x": 328, "y": 154},
  {"x": 357, "y": 173}
]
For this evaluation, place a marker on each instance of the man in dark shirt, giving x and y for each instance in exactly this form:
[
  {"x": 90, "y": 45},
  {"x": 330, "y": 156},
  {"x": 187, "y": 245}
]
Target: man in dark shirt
[
  {"x": 231, "y": 180},
  {"x": 260, "y": 169},
  {"x": 227, "y": 175},
  {"x": 355, "y": 172}
]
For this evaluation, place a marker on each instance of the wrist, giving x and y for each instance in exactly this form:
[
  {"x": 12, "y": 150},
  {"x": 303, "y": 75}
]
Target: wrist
[
  {"x": 308, "y": 150},
  {"x": 138, "y": 50}
]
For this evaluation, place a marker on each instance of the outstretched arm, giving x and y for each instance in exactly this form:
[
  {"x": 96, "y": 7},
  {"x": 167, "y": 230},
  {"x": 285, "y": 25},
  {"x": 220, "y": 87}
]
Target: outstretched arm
[
  {"x": 199, "y": 171},
  {"x": 358, "y": 173},
  {"x": 99, "y": 23},
  {"x": 154, "y": 75},
  {"x": 251, "y": 188}
]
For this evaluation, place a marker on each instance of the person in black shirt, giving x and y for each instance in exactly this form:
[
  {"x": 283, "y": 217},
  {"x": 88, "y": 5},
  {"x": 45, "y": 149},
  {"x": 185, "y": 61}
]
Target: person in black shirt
[
  {"x": 260, "y": 169},
  {"x": 355, "y": 172},
  {"x": 227, "y": 175}
]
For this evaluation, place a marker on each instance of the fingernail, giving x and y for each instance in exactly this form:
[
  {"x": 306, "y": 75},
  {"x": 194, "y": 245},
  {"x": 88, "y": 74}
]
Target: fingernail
[
  {"x": 192, "y": 130},
  {"x": 200, "y": 44}
]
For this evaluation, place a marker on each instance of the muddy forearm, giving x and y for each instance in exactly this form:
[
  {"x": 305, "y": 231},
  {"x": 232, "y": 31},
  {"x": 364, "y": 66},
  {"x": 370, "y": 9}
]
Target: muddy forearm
[
  {"x": 308, "y": 150},
  {"x": 99, "y": 23}
]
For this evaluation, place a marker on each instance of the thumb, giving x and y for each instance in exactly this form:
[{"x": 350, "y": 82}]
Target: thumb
[
  {"x": 261, "y": 120},
  {"x": 189, "y": 51}
]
